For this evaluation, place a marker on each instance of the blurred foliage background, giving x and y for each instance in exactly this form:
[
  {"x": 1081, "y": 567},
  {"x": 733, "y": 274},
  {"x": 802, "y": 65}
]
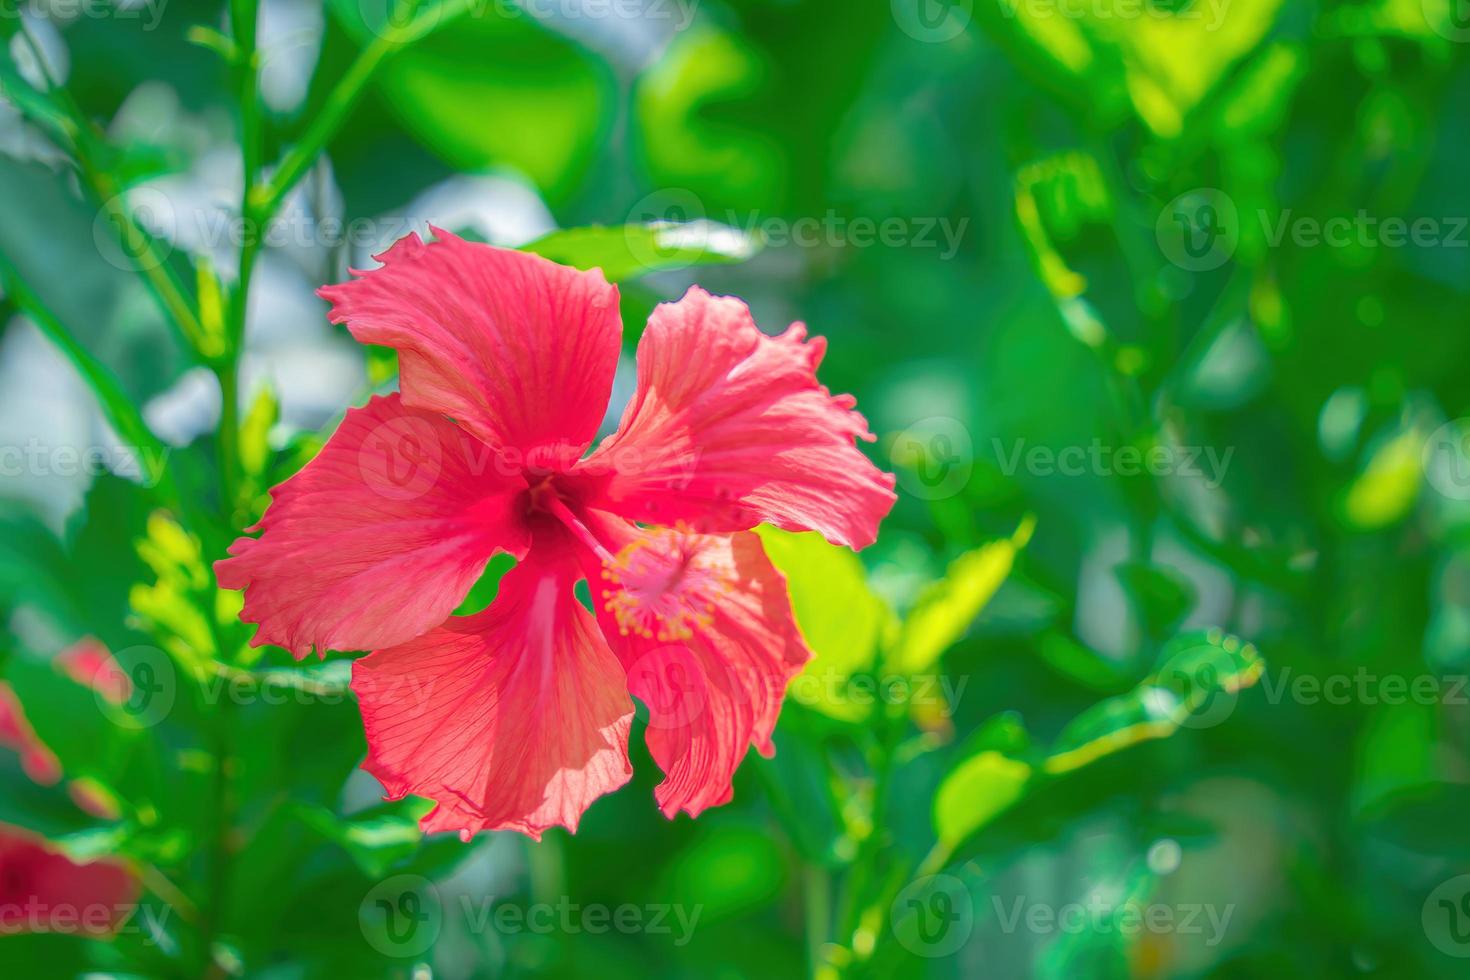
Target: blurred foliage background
[{"x": 1158, "y": 309}]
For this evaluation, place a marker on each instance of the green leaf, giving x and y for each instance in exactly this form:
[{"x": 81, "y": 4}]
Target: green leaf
[
  {"x": 945, "y": 610},
  {"x": 628, "y": 251},
  {"x": 975, "y": 792},
  {"x": 1194, "y": 687},
  {"x": 843, "y": 622},
  {"x": 377, "y": 840},
  {"x": 1386, "y": 489}
]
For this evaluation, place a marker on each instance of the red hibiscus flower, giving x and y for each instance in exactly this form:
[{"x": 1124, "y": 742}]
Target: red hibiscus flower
[
  {"x": 43, "y": 890},
  {"x": 518, "y": 717}
]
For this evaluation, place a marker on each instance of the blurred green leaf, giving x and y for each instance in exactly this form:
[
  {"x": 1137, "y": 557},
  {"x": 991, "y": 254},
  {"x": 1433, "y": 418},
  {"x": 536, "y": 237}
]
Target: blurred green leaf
[
  {"x": 376, "y": 840},
  {"x": 944, "y": 611},
  {"x": 629, "y": 251},
  {"x": 975, "y": 792},
  {"x": 1195, "y": 686},
  {"x": 841, "y": 619}
]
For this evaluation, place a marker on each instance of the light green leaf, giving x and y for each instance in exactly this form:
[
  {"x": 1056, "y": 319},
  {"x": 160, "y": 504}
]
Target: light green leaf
[
  {"x": 1195, "y": 686},
  {"x": 376, "y": 840},
  {"x": 626, "y": 252},
  {"x": 975, "y": 792},
  {"x": 946, "y": 609},
  {"x": 843, "y": 622},
  {"x": 1386, "y": 489}
]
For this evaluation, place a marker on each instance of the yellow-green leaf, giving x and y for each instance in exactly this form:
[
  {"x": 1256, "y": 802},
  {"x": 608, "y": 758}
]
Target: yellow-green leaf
[
  {"x": 946, "y": 608},
  {"x": 842, "y": 620},
  {"x": 976, "y": 792}
]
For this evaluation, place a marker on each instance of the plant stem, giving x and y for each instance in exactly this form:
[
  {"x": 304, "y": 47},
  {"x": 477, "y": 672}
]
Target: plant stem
[
  {"x": 345, "y": 94},
  {"x": 243, "y": 20},
  {"x": 141, "y": 248}
]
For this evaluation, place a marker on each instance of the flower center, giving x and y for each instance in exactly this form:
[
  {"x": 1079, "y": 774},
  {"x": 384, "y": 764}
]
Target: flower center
[{"x": 664, "y": 584}]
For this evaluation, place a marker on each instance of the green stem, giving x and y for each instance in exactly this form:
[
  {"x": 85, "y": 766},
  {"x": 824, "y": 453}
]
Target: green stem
[
  {"x": 148, "y": 260},
  {"x": 345, "y": 95},
  {"x": 243, "y": 19}
]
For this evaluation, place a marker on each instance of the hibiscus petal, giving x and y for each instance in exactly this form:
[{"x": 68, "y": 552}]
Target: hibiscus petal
[
  {"x": 43, "y": 890},
  {"x": 36, "y": 759},
  {"x": 519, "y": 350},
  {"x": 715, "y": 668},
  {"x": 515, "y": 718},
  {"x": 379, "y": 537},
  {"x": 729, "y": 428},
  {"x": 91, "y": 664}
]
